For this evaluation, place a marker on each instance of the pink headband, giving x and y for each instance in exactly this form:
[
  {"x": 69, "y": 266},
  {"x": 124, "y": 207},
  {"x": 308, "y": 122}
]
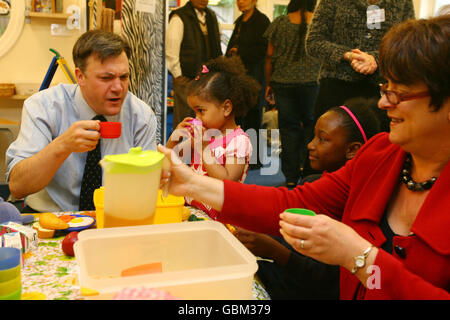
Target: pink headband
[{"x": 356, "y": 121}]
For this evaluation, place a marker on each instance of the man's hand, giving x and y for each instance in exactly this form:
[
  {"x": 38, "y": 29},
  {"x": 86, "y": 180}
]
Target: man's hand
[{"x": 82, "y": 136}]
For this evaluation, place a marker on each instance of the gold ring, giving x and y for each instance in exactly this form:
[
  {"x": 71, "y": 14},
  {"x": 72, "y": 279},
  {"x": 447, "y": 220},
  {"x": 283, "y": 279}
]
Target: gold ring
[{"x": 302, "y": 242}]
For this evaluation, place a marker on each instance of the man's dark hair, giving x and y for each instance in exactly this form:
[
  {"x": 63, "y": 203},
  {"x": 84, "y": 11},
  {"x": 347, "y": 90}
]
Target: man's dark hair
[{"x": 103, "y": 44}]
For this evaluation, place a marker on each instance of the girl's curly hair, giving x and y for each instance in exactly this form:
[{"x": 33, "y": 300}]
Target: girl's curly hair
[{"x": 226, "y": 78}]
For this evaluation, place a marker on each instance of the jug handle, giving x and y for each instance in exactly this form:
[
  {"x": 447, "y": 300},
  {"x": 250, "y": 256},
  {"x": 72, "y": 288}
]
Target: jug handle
[{"x": 165, "y": 189}]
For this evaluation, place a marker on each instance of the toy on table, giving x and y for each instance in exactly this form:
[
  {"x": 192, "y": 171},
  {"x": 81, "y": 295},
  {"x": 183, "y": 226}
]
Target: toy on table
[
  {"x": 8, "y": 212},
  {"x": 68, "y": 242},
  {"x": 16, "y": 235},
  {"x": 49, "y": 223},
  {"x": 155, "y": 267}
]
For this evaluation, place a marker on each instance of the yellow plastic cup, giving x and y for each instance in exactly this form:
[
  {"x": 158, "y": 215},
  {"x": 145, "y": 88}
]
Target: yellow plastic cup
[
  {"x": 99, "y": 196},
  {"x": 10, "y": 286},
  {"x": 10, "y": 277},
  {"x": 9, "y": 274},
  {"x": 16, "y": 295}
]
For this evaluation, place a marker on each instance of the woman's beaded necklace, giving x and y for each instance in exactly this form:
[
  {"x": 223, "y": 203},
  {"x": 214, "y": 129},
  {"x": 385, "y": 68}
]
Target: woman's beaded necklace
[{"x": 405, "y": 177}]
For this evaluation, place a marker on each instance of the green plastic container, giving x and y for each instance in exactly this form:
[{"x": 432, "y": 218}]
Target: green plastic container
[
  {"x": 16, "y": 295},
  {"x": 305, "y": 212},
  {"x": 12, "y": 285},
  {"x": 8, "y": 274}
]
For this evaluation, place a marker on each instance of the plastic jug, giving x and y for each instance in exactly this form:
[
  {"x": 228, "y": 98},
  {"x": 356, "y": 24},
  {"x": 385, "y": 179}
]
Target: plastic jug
[{"x": 131, "y": 183}]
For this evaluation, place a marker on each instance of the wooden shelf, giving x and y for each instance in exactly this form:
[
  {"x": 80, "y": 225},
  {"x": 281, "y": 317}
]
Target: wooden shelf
[
  {"x": 14, "y": 97},
  {"x": 48, "y": 16}
]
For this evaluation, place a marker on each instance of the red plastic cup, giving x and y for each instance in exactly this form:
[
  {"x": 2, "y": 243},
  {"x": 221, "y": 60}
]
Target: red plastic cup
[{"x": 110, "y": 129}]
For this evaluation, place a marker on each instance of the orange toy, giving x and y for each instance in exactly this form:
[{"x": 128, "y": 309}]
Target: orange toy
[{"x": 142, "y": 269}]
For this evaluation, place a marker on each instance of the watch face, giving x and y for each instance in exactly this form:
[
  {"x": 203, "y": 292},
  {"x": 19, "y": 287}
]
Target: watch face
[{"x": 359, "y": 262}]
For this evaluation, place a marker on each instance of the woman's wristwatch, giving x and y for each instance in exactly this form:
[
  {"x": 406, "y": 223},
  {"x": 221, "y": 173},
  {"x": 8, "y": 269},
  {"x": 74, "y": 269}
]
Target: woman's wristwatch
[{"x": 360, "y": 261}]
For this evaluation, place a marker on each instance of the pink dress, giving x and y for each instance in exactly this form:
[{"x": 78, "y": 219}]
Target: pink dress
[{"x": 234, "y": 144}]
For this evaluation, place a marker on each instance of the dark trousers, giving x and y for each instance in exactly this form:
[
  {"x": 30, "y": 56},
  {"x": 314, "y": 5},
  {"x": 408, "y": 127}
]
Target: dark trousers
[
  {"x": 303, "y": 278},
  {"x": 295, "y": 106},
  {"x": 181, "y": 108},
  {"x": 253, "y": 119}
]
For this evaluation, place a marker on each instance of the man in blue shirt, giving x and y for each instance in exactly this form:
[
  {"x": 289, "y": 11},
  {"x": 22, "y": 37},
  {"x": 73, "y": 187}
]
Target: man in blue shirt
[{"x": 46, "y": 162}]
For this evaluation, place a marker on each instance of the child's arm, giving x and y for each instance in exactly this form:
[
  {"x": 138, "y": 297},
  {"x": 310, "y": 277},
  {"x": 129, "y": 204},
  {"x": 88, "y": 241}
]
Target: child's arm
[
  {"x": 263, "y": 246},
  {"x": 233, "y": 169}
]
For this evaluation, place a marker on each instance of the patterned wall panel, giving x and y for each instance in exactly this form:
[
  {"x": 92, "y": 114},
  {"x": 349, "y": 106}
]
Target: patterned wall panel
[{"x": 146, "y": 34}]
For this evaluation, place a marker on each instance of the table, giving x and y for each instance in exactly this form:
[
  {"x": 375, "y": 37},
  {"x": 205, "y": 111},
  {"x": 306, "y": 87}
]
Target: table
[{"x": 49, "y": 274}]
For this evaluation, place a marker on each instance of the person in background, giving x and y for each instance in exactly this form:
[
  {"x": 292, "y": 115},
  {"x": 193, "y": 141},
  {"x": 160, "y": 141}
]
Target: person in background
[
  {"x": 345, "y": 36},
  {"x": 248, "y": 43},
  {"x": 339, "y": 134},
  {"x": 221, "y": 92},
  {"x": 47, "y": 161},
  {"x": 192, "y": 38},
  {"x": 292, "y": 84},
  {"x": 383, "y": 217}
]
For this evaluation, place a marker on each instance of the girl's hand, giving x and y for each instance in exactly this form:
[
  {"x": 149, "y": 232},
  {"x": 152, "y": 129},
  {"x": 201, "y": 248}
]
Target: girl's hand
[
  {"x": 177, "y": 177},
  {"x": 262, "y": 245},
  {"x": 269, "y": 95},
  {"x": 324, "y": 239},
  {"x": 183, "y": 130},
  {"x": 186, "y": 125},
  {"x": 198, "y": 141}
]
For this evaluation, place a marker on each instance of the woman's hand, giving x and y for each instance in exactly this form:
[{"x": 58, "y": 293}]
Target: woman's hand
[
  {"x": 362, "y": 62},
  {"x": 324, "y": 239},
  {"x": 175, "y": 176},
  {"x": 269, "y": 95}
]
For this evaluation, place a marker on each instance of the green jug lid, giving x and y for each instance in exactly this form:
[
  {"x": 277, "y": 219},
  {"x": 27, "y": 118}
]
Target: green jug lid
[{"x": 135, "y": 161}]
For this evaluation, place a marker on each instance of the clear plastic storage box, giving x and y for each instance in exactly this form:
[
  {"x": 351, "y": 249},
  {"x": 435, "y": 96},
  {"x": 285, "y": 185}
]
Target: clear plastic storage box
[{"x": 200, "y": 260}]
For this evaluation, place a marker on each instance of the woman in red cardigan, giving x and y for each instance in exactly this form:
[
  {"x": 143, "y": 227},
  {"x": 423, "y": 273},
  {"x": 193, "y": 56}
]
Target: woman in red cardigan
[{"x": 384, "y": 217}]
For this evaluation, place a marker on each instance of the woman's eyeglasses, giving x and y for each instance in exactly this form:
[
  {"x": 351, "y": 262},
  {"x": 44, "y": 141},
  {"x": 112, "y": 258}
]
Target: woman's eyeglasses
[{"x": 395, "y": 98}]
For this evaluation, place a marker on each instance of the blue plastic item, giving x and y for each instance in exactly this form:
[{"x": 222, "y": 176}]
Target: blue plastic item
[{"x": 9, "y": 258}]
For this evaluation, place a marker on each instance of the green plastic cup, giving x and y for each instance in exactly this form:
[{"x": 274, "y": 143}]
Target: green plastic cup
[
  {"x": 305, "y": 212},
  {"x": 16, "y": 295}
]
